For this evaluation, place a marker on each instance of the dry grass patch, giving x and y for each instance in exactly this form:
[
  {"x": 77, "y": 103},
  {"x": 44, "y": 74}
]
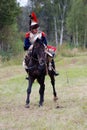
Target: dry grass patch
[{"x": 71, "y": 115}]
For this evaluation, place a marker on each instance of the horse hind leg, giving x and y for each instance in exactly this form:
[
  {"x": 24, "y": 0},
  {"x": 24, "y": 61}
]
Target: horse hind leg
[{"x": 53, "y": 85}]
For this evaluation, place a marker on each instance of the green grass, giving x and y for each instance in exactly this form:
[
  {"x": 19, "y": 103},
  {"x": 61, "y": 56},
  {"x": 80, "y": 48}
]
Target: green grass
[{"x": 71, "y": 88}]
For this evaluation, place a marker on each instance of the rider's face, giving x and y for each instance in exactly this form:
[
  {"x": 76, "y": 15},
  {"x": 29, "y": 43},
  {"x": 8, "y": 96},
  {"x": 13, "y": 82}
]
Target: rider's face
[{"x": 34, "y": 31}]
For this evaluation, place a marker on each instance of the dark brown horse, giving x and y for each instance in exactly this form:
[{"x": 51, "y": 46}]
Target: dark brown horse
[{"x": 37, "y": 67}]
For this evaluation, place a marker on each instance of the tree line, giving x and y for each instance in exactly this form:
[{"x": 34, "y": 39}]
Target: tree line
[
  {"x": 9, "y": 11},
  {"x": 62, "y": 21}
]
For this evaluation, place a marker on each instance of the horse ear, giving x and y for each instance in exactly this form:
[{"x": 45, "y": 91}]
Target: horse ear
[{"x": 39, "y": 40}]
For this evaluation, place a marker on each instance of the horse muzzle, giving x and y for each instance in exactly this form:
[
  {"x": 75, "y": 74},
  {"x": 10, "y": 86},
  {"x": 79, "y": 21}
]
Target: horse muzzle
[{"x": 41, "y": 66}]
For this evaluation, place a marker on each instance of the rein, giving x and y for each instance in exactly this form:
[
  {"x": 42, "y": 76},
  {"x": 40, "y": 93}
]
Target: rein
[{"x": 34, "y": 58}]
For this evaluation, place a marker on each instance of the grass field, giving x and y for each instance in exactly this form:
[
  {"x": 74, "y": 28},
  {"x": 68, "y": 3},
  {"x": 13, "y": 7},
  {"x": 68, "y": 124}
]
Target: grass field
[{"x": 71, "y": 88}]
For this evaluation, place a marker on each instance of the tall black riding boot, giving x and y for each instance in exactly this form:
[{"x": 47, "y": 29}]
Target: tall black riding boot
[{"x": 53, "y": 68}]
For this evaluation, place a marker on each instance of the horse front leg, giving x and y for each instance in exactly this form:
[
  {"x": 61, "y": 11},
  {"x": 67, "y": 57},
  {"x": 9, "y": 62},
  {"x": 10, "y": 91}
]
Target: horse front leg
[
  {"x": 30, "y": 82},
  {"x": 53, "y": 85},
  {"x": 41, "y": 91}
]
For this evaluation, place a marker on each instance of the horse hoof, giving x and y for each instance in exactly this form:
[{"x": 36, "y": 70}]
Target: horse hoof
[
  {"x": 27, "y": 106},
  {"x": 55, "y": 98},
  {"x": 57, "y": 106},
  {"x": 40, "y": 104}
]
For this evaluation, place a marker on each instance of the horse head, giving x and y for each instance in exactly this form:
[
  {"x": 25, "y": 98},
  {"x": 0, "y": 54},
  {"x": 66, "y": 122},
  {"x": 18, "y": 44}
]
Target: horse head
[{"x": 38, "y": 52}]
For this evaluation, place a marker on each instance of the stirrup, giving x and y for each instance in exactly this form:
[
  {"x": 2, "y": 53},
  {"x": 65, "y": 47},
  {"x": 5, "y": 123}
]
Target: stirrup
[
  {"x": 27, "y": 78},
  {"x": 56, "y": 74}
]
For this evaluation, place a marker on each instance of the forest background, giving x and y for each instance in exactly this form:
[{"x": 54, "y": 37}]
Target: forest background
[{"x": 64, "y": 22}]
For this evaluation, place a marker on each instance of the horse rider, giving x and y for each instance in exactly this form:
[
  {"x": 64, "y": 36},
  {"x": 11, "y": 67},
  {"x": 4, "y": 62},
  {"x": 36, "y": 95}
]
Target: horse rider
[{"x": 33, "y": 34}]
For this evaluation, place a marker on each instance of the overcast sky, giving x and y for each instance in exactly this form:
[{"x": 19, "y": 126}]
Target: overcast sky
[{"x": 22, "y": 2}]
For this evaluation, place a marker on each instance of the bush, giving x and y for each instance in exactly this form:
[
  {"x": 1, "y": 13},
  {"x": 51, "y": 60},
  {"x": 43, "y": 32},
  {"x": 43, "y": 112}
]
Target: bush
[{"x": 67, "y": 51}]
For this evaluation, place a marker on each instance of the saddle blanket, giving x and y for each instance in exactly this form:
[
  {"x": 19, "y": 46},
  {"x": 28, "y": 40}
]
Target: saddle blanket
[{"x": 51, "y": 48}]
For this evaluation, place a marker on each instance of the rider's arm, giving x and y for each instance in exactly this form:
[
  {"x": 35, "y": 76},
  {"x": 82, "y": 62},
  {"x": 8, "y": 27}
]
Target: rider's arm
[{"x": 27, "y": 43}]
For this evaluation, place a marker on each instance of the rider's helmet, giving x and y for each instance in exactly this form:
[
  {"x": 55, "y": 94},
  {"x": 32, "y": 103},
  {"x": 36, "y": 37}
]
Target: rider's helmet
[{"x": 33, "y": 21}]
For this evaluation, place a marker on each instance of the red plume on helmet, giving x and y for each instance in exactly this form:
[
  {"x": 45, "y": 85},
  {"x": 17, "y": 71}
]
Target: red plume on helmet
[
  {"x": 33, "y": 21},
  {"x": 34, "y": 18}
]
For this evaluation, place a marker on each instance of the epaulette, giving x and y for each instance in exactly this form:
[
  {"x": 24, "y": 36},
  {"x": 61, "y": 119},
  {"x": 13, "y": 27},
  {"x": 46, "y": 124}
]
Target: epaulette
[
  {"x": 27, "y": 35},
  {"x": 43, "y": 34}
]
